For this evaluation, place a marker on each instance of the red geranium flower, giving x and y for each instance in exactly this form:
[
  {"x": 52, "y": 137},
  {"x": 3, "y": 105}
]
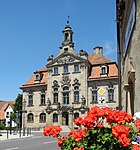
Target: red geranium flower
[{"x": 136, "y": 147}]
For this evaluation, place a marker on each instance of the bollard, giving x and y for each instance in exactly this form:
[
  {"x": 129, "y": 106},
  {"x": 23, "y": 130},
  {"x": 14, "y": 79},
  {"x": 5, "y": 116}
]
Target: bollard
[
  {"x": 27, "y": 131},
  {"x": 7, "y": 133},
  {"x": 30, "y": 131},
  {"x": 19, "y": 132}
]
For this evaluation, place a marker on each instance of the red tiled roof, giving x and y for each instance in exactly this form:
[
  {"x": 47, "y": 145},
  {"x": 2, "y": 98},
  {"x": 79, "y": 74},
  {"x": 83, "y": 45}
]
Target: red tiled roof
[
  {"x": 3, "y": 106},
  {"x": 98, "y": 59},
  {"x": 43, "y": 81},
  {"x": 95, "y": 71}
]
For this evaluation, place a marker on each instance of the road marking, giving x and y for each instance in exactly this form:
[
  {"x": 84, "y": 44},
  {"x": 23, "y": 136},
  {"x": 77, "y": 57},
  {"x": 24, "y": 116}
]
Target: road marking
[
  {"x": 50, "y": 142},
  {"x": 12, "y": 148}
]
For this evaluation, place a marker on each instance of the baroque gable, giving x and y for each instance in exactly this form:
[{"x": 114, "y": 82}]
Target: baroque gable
[{"x": 66, "y": 58}]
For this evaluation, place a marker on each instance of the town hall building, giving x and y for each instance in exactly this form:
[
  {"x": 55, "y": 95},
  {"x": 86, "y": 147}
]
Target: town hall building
[{"x": 69, "y": 85}]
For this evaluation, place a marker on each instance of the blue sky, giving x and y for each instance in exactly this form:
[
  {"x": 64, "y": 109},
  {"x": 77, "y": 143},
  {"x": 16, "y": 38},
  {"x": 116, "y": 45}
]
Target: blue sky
[{"x": 31, "y": 30}]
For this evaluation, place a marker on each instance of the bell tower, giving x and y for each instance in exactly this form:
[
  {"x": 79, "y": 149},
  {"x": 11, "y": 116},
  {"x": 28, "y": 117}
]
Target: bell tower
[{"x": 67, "y": 35}]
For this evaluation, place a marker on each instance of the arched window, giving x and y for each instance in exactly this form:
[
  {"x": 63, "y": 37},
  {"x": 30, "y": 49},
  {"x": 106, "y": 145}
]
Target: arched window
[
  {"x": 76, "y": 93},
  {"x": 76, "y": 115},
  {"x": 55, "y": 95},
  {"x": 94, "y": 96},
  {"x": 66, "y": 36},
  {"x": 104, "y": 70},
  {"x": 55, "y": 117},
  {"x": 66, "y": 95},
  {"x": 30, "y": 118},
  {"x": 42, "y": 118},
  {"x": 111, "y": 94}
]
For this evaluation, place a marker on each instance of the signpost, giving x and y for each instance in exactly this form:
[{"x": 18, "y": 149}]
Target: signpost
[{"x": 101, "y": 98}]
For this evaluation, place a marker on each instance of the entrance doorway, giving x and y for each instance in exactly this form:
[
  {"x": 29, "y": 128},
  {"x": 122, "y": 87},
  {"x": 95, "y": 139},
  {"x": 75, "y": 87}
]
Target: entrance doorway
[{"x": 65, "y": 118}]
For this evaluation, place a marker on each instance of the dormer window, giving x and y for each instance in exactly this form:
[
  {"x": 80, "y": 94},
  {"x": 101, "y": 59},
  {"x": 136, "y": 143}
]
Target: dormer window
[
  {"x": 37, "y": 77},
  {"x": 104, "y": 71}
]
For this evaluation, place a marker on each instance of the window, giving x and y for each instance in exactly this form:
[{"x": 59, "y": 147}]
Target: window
[
  {"x": 42, "y": 118},
  {"x": 76, "y": 68},
  {"x": 76, "y": 93},
  {"x": 66, "y": 37},
  {"x": 76, "y": 115},
  {"x": 37, "y": 77},
  {"x": 66, "y": 95},
  {"x": 30, "y": 118},
  {"x": 55, "y": 117},
  {"x": 55, "y": 95},
  {"x": 111, "y": 94},
  {"x": 104, "y": 70},
  {"x": 30, "y": 100},
  {"x": 55, "y": 70},
  {"x": 94, "y": 96},
  {"x": 43, "y": 101},
  {"x": 65, "y": 69},
  {"x": 7, "y": 114}
]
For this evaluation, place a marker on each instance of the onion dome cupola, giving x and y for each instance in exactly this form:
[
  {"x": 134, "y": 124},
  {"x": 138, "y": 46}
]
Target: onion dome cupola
[{"x": 67, "y": 36}]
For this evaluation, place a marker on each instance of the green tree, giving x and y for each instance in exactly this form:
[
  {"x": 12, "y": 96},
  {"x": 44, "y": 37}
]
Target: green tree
[{"x": 17, "y": 114}]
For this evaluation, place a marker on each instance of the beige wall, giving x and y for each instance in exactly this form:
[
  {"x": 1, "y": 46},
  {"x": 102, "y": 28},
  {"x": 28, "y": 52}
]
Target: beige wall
[{"x": 131, "y": 66}]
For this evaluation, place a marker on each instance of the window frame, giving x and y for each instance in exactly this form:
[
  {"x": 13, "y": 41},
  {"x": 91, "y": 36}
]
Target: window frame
[
  {"x": 76, "y": 68},
  {"x": 30, "y": 118},
  {"x": 65, "y": 69},
  {"x": 30, "y": 100},
  {"x": 111, "y": 95},
  {"x": 94, "y": 96},
  {"x": 43, "y": 99},
  {"x": 55, "y": 70},
  {"x": 65, "y": 95},
  {"x": 76, "y": 93},
  {"x": 55, "y": 117},
  {"x": 42, "y": 118}
]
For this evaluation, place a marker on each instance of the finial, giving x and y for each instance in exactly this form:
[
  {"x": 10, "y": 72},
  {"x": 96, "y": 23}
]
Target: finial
[{"x": 68, "y": 19}]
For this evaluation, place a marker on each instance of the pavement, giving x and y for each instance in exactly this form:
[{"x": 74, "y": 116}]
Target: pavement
[{"x": 5, "y": 136}]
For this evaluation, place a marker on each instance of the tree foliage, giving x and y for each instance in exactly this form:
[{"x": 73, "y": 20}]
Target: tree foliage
[{"x": 17, "y": 114}]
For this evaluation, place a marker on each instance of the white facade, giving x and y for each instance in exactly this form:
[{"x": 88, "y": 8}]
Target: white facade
[{"x": 8, "y": 112}]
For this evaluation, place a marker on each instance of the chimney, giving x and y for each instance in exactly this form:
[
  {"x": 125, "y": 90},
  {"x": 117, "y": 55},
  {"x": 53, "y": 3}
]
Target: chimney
[{"x": 98, "y": 50}]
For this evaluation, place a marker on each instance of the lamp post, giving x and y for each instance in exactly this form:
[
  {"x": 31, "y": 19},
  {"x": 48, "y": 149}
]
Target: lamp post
[{"x": 24, "y": 111}]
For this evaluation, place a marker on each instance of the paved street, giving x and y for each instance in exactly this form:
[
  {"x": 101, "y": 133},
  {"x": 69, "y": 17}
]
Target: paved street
[{"x": 37, "y": 142}]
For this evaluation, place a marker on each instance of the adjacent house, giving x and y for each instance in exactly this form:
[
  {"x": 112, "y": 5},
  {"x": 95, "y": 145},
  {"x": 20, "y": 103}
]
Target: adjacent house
[
  {"x": 6, "y": 108},
  {"x": 128, "y": 35}
]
